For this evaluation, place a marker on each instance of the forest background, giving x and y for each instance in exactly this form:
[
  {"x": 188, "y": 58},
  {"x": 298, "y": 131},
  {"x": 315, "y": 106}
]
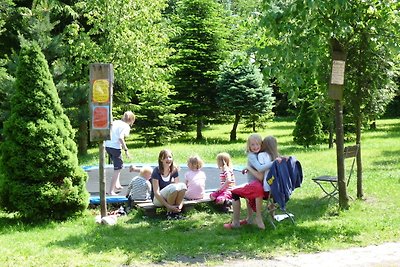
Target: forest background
[
  {"x": 185, "y": 64},
  {"x": 185, "y": 68},
  {"x": 181, "y": 65}
]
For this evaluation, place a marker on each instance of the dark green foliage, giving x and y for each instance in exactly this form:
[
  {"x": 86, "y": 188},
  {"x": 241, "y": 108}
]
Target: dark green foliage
[
  {"x": 6, "y": 82},
  {"x": 258, "y": 121},
  {"x": 156, "y": 121},
  {"x": 393, "y": 109},
  {"x": 42, "y": 178},
  {"x": 200, "y": 47},
  {"x": 308, "y": 129},
  {"x": 242, "y": 92}
]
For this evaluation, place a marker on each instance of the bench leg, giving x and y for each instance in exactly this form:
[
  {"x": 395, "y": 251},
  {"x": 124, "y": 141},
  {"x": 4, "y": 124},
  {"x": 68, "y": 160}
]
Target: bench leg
[{"x": 150, "y": 212}]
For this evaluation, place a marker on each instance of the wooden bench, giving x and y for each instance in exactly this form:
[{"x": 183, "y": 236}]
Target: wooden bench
[{"x": 150, "y": 210}]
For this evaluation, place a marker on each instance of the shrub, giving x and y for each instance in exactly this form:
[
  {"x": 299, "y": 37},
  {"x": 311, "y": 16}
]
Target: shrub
[
  {"x": 41, "y": 176},
  {"x": 308, "y": 129}
]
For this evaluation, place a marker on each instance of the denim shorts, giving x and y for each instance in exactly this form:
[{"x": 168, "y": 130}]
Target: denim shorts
[{"x": 116, "y": 157}]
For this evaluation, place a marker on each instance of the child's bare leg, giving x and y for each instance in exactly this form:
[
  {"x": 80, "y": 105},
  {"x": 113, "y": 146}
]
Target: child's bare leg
[
  {"x": 114, "y": 182},
  {"x": 250, "y": 213},
  {"x": 236, "y": 213},
  {"x": 172, "y": 198},
  {"x": 179, "y": 198},
  {"x": 259, "y": 219},
  {"x": 118, "y": 185}
]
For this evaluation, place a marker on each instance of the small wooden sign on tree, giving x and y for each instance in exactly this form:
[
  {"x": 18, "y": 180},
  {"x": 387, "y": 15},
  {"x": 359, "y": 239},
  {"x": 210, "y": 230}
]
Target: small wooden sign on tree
[{"x": 338, "y": 69}]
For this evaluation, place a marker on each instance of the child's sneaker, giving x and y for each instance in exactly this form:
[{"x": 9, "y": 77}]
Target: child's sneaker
[
  {"x": 121, "y": 211},
  {"x": 170, "y": 216},
  {"x": 179, "y": 216},
  {"x": 228, "y": 202}
]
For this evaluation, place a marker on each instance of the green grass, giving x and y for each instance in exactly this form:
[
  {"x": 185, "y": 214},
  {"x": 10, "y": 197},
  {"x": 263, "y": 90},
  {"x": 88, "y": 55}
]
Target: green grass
[{"x": 201, "y": 238}]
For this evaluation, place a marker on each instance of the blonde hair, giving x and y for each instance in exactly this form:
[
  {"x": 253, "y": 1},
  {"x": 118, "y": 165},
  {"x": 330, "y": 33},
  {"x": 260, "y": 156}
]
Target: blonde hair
[
  {"x": 195, "y": 162},
  {"x": 255, "y": 137},
  {"x": 128, "y": 117},
  {"x": 270, "y": 145},
  {"x": 145, "y": 169},
  {"x": 224, "y": 159}
]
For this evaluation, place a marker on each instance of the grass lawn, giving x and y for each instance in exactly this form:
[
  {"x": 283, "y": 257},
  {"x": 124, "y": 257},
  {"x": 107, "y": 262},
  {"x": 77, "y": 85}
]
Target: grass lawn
[{"x": 201, "y": 238}]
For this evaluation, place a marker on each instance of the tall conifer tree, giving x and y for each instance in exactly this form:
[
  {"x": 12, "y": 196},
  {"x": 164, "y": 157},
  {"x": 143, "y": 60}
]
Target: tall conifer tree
[
  {"x": 200, "y": 49},
  {"x": 42, "y": 178}
]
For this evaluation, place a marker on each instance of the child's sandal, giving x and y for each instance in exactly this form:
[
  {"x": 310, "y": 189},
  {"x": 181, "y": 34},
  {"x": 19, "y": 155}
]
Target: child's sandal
[
  {"x": 230, "y": 226},
  {"x": 243, "y": 222}
]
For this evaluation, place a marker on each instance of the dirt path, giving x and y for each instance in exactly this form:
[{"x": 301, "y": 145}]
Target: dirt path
[{"x": 384, "y": 255}]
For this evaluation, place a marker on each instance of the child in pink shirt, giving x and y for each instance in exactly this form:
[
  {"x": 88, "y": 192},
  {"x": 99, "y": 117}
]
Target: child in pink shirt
[{"x": 195, "y": 178}]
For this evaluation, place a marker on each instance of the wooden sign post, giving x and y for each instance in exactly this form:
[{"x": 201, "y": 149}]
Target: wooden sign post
[
  {"x": 100, "y": 106},
  {"x": 336, "y": 93}
]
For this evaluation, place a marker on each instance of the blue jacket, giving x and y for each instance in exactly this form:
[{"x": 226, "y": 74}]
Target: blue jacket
[{"x": 284, "y": 177}]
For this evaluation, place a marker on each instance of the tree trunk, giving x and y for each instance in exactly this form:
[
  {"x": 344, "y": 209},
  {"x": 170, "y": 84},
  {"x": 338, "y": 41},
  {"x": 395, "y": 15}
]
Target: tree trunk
[
  {"x": 199, "y": 127},
  {"x": 331, "y": 130},
  {"x": 343, "y": 197},
  {"x": 83, "y": 138},
  {"x": 336, "y": 92},
  {"x": 372, "y": 126},
  {"x": 234, "y": 128},
  {"x": 362, "y": 83},
  {"x": 360, "y": 192}
]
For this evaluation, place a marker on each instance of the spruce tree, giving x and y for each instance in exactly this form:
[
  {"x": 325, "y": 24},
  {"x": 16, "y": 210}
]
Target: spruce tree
[
  {"x": 200, "y": 48},
  {"x": 41, "y": 176},
  {"x": 242, "y": 91},
  {"x": 308, "y": 129}
]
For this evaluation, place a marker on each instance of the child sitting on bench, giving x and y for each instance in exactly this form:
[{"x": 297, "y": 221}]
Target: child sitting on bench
[
  {"x": 139, "y": 188},
  {"x": 223, "y": 195},
  {"x": 195, "y": 179}
]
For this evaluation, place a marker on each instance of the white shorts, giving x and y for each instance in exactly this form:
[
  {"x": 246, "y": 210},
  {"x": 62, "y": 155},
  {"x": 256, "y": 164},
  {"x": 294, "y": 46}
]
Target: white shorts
[{"x": 167, "y": 191}]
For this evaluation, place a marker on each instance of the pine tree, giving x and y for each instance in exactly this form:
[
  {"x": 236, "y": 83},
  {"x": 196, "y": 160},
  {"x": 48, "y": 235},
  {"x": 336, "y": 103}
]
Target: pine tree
[
  {"x": 41, "y": 176},
  {"x": 242, "y": 91},
  {"x": 200, "y": 49},
  {"x": 157, "y": 120},
  {"x": 308, "y": 129}
]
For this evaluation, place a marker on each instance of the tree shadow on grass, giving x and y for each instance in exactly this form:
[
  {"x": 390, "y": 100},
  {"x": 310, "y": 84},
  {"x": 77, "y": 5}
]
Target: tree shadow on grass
[
  {"x": 388, "y": 160},
  {"x": 190, "y": 140},
  {"x": 202, "y": 238},
  {"x": 311, "y": 208},
  {"x": 212, "y": 140},
  {"x": 389, "y": 131},
  {"x": 281, "y": 127},
  {"x": 17, "y": 223},
  {"x": 9, "y": 220}
]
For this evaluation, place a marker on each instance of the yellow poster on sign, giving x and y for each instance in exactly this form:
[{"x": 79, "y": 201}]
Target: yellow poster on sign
[{"x": 101, "y": 91}]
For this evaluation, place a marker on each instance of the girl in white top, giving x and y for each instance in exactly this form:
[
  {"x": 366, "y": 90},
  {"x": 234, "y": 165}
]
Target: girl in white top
[
  {"x": 269, "y": 153},
  {"x": 195, "y": 178},
  {"x": 119, "y": 131}
]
